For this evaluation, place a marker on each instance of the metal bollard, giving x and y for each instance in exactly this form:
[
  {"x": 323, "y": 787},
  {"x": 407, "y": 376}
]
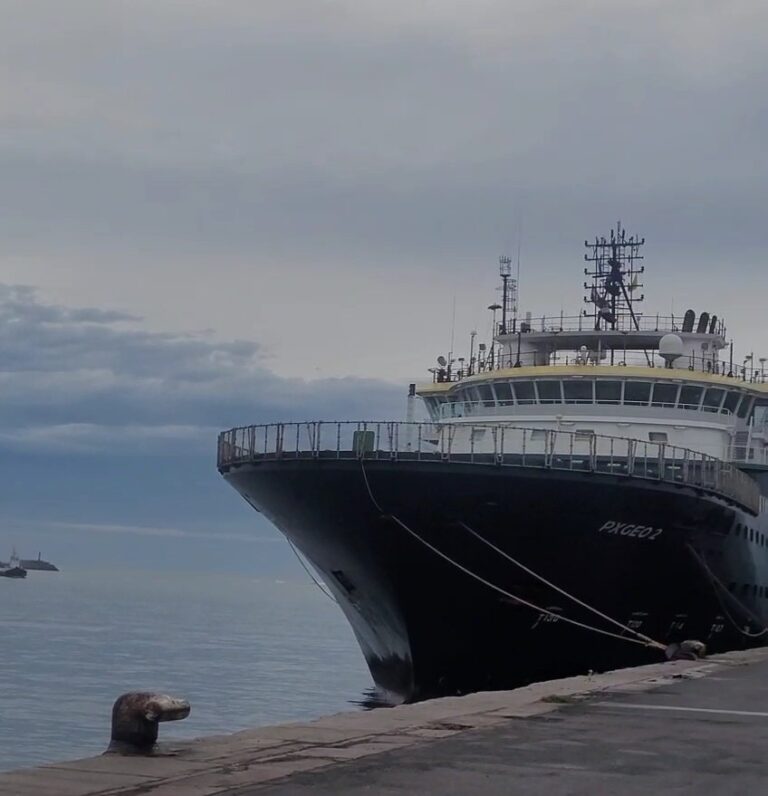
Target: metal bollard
[
  {"x": 135, "y": 717},
  {"x": 690, "y": 650}
]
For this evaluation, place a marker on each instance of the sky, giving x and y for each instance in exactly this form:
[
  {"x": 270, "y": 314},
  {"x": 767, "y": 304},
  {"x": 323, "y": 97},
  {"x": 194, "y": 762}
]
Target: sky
[{"x": 215, "y": 213}]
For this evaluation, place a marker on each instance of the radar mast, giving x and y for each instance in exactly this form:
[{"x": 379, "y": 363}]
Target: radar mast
[{"x": 615, "y": 280}]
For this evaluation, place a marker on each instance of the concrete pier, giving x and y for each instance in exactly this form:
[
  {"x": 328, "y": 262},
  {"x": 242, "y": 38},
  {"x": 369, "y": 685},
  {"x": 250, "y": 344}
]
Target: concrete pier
[{"x": 680, "y": 727}]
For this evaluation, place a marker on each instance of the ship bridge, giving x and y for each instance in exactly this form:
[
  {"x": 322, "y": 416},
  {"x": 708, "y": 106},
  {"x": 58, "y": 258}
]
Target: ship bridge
[{"x": 610, "y": 370}]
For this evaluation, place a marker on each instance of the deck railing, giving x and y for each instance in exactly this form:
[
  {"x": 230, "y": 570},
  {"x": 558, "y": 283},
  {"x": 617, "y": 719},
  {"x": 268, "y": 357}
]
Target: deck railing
[
  {"x": 496, "y": 444},
  {"x": 501, "y": 360},
  {"x": 585, "y": 323}
]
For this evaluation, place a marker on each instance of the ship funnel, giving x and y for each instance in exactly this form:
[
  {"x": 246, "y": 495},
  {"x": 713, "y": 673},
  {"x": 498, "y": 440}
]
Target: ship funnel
[{"x": 670, "y": 348}]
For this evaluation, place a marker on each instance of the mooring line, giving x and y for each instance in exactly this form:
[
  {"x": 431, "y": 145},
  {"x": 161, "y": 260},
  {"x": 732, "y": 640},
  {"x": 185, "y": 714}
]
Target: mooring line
[
  {"x": 717, "y": 582},
  {"x": 499, "y": 589},
  {"x": 309, "y": 572},
  {"x": 651, "y": 642}
]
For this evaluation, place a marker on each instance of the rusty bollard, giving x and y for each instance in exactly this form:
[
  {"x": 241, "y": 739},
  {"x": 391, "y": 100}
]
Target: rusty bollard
[
  {"x": 690, "y": 650},
  {"x": 135, "y": 717}
]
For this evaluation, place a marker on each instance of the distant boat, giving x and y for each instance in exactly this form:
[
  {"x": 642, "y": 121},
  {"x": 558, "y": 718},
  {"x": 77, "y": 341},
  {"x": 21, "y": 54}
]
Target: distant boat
[
  {"x": 38, "y": 563},
  {"x": 13, "y": 569}
]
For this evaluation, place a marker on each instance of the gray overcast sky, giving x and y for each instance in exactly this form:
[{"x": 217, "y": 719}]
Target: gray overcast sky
[
  {"x": 216, "y": 199},
  {"x": 323, "y": 177}
]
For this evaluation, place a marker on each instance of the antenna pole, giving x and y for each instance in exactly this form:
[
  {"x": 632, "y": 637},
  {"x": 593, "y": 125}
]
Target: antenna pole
[
  {"x": 517, "y": 285},
  {"x": 505, "y": 271}
]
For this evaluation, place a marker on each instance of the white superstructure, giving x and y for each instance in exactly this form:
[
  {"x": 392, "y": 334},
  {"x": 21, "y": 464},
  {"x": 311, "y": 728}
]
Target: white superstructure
[{"x": 611, "y": 371}]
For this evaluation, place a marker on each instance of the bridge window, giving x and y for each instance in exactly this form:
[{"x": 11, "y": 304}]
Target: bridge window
[
  {"x": 732, "y": 401},
  {"x": 713, "y": 397},
  {"x": 745, "y": 407},
  {"x": 637, "y": 393},
  {"x": 549, "y": 392},
  {"x": 690, "y": 396},
  {"x": 578, "y": 391},
  {"x": 664, "y": 394},
  {"x": 472, "y": 394},
  {"x": 486, "y": 395},
  {"x": 503, "y": 392},
  {"x": 524, "y": 392},
  {"x": 608, "y": 392}
]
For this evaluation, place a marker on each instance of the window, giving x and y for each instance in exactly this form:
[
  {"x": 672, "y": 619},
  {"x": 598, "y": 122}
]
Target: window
[
  {"x": 664, "y": 394},
  {"x": 549, "y": 392},
  {"x": 637, "y": 393},
  {"x": 690, "y": 396},
  {"x": 713, "y": 397},
  {"x": 657, "y": 436},
  {"x": 486, "y": 395},
  {"x": 751, "y": 534},
  {"x": 761, "y": 413},
  {"x": 608, "y": 392},
  {"x": 503, "y": 392},
  {"x": 732, "y": 401},
  {"x": 584, "y": 434},
  {"x": 745, "y": 406},
  {"x": 578, "y": 391},
  {"x": 431, "y": 405},
  {"x": 524, "y": 392},
  {"x": 538, "y": 433}
]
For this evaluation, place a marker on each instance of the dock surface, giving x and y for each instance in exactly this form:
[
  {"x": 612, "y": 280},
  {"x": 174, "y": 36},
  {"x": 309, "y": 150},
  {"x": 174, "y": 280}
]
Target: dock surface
[{"x": 682, "y": 727}]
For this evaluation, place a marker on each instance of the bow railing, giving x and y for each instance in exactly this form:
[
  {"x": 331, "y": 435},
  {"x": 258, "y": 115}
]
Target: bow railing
[{"x": 497, "y": 444}]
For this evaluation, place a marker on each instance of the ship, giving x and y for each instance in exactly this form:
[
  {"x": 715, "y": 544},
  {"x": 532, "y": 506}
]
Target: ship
[
  {"x": 38, "y": 564},
  {"x": 13, "y": 568},
  {"x": 584, "y": 492}
]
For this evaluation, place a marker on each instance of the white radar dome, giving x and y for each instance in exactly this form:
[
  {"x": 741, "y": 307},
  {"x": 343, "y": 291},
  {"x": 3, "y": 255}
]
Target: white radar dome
[{"x": 671, "y": 347}]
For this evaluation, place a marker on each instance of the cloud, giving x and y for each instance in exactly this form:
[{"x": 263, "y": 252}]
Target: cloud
[
  {"x": 265, "y": 168},
  {"x": 83, "y": 379}
]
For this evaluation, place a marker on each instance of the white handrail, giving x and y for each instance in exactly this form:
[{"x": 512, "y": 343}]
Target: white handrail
[{"x": 515, "y": 446}]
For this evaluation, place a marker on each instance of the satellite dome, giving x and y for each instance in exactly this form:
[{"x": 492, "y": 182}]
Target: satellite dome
[{"x": 671, "y": 347}]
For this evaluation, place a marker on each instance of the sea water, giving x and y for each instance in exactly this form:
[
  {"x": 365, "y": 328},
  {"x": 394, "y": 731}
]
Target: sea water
[{"x": 245, "y": 652}]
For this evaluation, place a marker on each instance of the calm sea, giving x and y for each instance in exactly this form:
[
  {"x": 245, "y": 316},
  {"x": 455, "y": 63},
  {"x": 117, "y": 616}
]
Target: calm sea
[{"x": 244, "y": 652}]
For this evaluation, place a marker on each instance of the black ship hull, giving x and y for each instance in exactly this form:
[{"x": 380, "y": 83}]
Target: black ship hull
[
  {"x": 13, "y": 572},
  {"x": 663, "y": 559}
]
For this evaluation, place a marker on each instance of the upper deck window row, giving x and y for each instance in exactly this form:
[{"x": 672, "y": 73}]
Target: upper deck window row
[{"x": 668, "y": 395}]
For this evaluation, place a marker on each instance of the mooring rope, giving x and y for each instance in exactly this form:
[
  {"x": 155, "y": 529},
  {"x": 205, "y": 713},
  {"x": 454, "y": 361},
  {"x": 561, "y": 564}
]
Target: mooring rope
[
  {"x": 309, "y": 572},
  {"x": 493, "y": 586},
  {"x": 717, "y": 582},
  {"x": 650, "y": 642}
]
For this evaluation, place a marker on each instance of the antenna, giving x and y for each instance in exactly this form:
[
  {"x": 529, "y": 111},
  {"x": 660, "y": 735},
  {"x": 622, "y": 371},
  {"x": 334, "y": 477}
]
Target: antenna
[
  {"x": 615, "y": 276},
  {"x": 517, "y": 282},
  {"x": 508, "y": 305}
]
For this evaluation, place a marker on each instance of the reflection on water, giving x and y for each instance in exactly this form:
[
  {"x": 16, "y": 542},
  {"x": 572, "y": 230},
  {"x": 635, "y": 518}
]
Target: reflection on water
[{"x": 244, "y": 652}]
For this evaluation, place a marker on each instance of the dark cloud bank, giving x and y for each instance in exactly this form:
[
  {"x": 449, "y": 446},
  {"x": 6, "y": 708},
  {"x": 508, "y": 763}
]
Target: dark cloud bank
[
  {"x": 86, "y": 380},
  {"x": 108, "y": 436}
]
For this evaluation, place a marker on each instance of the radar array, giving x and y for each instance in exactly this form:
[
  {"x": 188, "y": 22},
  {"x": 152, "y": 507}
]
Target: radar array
[{"x": 615, "y": 276}]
